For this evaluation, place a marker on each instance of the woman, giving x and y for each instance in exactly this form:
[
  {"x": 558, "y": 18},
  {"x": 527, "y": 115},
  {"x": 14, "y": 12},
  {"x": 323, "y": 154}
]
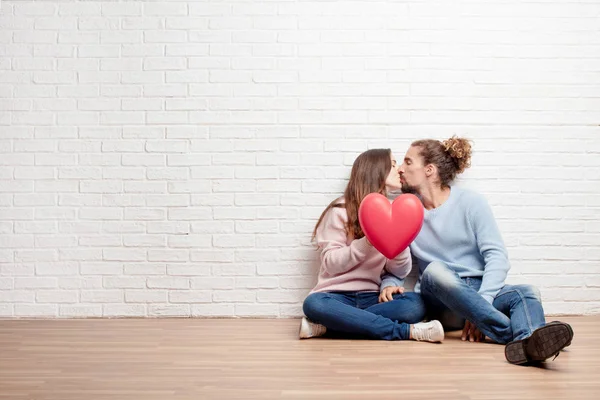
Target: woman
[
  {"x": 346, "y": 298},
  {"x": 463, "y": 263}
]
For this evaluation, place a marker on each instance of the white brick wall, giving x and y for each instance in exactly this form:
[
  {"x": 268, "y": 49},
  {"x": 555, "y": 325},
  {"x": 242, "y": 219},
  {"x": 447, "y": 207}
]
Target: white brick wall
[{"x": 169, "y": 158}]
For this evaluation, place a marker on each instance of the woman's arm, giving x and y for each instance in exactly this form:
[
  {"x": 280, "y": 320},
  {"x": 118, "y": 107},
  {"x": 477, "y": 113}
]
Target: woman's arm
[{"x": 336, "y": 256}]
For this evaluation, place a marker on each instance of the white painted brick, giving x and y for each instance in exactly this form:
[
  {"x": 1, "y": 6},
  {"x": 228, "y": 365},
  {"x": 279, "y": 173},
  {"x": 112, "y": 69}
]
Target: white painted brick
[
  {"x": 55, "y": 186},
  {"x": 213, "y": 310},
  {"x": 79, "y": 200},
  {"x": 178, "y": 255},
  {"x": 102, "y": 296},
  {"x": 284, "y": 268},
  {"x": 78, "y": 227},
  {"x": 179, "y": 310},
  {"x": 116, "y": 200},
  {"x": 291, "y": 310},
  {"x": 256, "y": 283},
  {"x": 94, "y": 282},
  {"x": 213, "y": 227},
  {"x": 6, "y": 310},
  {"x": 16, "y": 269},
  {"x": 6, "y": 256},
  {"x": 143, "y": 132},
  {"x": 145, "y": 269},
  {"x": 188, "y": 269},
  {"x": 233, "y": 241},
  {"x": 189, "y": 296},
  {"x": 168, "y": 283},
  {"x": 80, "y": 311},
  {"x": 54, "y": 241},
  {"x": 257, "y": 310},
  {"x": 124, "y": 254},
  {"x": 236, "y": 296},
  {"x": 148, "y": 214},
  {"x": 57, "y": 296},
  {"x": 142, "y": 23},
  {"x": 305, "y": 282},
  {"x": 174, "y": 228},
  {"x": 189, "y": 241},
  {"x": 36, "y": 310},
  {"x": 6, "y": 283},
  {"x": 130, "y": 310},
  {"x": 101, "y": 268},
  {"x": 256, "y": 226},
  {"x": 17, "y": 296},
  {"x": 124, "y": 282},
  {"x": 23, "y": 200},
  {"x": 80, "y": 254},
  {"x": 212, "y": 256},
  {"x": 35, "y": 227},
  {"x": 146, "y": 296},
  {"x": 280, "y": 296}
]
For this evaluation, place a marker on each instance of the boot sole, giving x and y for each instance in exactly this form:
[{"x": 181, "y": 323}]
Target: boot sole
[{"x": 541, "y": 345}]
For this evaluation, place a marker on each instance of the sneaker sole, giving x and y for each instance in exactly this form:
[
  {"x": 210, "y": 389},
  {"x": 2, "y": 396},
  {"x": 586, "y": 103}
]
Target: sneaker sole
[
  {"x": 303, "y": 327},
  {"x": 541, "y": 345}
]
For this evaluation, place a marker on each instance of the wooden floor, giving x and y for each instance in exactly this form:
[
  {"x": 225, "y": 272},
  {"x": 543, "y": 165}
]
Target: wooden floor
[{"x": 150, "y": 359}]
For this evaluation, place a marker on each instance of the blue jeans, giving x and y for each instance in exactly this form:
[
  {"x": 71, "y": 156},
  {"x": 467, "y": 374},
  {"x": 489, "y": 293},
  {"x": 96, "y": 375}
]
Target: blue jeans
[
  {"x": 514, "y": 314},
  {"x": 360, "y": 313}
]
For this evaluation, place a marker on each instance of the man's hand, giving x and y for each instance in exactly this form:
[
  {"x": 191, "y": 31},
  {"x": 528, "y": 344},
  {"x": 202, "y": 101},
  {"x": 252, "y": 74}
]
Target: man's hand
[
  {"x": 388, "y": 293},
  {"x": 471, "y": 333}
]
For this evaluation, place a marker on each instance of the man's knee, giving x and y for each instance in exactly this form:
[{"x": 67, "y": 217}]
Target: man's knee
[
  {"x": 530, "y": 292},
  {"x": 437, "y": 273}
]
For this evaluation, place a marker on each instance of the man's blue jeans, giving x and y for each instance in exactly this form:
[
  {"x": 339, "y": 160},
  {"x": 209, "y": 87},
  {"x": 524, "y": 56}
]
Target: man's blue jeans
[
  {"x": 514, "y": 314},
  {"x": 360, "y": 313}
]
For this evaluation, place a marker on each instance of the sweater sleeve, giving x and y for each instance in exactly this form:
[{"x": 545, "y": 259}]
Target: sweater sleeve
[
  {"x": 397, "y": 269},
  {"x": 491, "y": 247},
  {"x": 336, "y": 256}
]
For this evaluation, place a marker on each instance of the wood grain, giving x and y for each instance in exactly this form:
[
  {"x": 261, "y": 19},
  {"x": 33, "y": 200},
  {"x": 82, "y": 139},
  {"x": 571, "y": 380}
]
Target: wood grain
[{"x": 263, "y": 359}]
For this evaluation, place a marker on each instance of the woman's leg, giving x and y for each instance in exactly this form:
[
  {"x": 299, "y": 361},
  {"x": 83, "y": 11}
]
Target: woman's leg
[
  {"x": 407, "y": 307},
  {"x": 340, "y": 312}
]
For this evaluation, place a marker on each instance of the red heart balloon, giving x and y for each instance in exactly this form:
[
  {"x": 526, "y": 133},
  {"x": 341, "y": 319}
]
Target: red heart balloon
[{"x": 391, "y": 227}]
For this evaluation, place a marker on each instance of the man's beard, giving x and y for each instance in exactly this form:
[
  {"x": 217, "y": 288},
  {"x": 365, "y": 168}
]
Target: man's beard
[{"x": 406, "y": 188}]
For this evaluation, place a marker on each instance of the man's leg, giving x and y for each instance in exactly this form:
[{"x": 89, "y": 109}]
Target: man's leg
[
  {"x": 534, "y": 340},
  {"x": 522, "y": 304},
  {"x": 443, "y": 284},
  {"x": 437, "y": 310},
  {"x": 339, "y": 312}
]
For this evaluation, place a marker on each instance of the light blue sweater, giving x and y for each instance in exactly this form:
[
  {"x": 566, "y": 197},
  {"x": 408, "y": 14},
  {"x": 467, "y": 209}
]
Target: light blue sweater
[{"x": 462, "y": 233}]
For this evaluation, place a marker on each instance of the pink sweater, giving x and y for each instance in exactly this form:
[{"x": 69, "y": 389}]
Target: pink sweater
[{"x": 352, "y": 265}]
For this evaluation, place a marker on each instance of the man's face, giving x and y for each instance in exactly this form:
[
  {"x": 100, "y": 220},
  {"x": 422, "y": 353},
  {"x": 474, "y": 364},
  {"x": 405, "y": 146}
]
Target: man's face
[{"x": 412, "y": 171}]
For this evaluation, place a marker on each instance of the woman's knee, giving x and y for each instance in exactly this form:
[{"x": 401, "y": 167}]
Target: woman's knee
[
  {"x": 417, "y": 307},
  {"x": 314, "y": 305}
]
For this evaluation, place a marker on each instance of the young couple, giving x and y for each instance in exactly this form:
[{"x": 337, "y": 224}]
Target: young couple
[{"x": 459, "y": 251}]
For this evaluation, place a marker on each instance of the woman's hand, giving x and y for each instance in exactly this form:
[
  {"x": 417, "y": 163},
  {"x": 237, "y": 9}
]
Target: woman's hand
[{"x": 387, "y": 294}]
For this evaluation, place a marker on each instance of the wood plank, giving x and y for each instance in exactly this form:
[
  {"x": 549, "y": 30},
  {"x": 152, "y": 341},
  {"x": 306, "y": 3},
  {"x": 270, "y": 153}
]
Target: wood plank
[{"x": 263, "y": 359}]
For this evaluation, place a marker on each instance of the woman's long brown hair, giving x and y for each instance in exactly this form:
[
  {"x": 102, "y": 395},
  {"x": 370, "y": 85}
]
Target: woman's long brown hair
[{"x": 368, "y": 175}]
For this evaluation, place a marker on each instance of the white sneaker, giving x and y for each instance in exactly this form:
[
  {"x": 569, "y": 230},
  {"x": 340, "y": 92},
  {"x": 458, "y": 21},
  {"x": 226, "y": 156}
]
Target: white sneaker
[
  {"x": 431, "y": 331},
  {"x": 310, "y": 329}
]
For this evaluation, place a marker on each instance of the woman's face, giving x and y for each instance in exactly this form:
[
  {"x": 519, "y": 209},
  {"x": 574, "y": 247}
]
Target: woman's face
[{"x": 393, "y": 179}]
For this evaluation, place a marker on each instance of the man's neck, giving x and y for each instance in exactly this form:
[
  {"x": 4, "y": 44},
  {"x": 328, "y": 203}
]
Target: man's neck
[{"x": 433, "y": 197}]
